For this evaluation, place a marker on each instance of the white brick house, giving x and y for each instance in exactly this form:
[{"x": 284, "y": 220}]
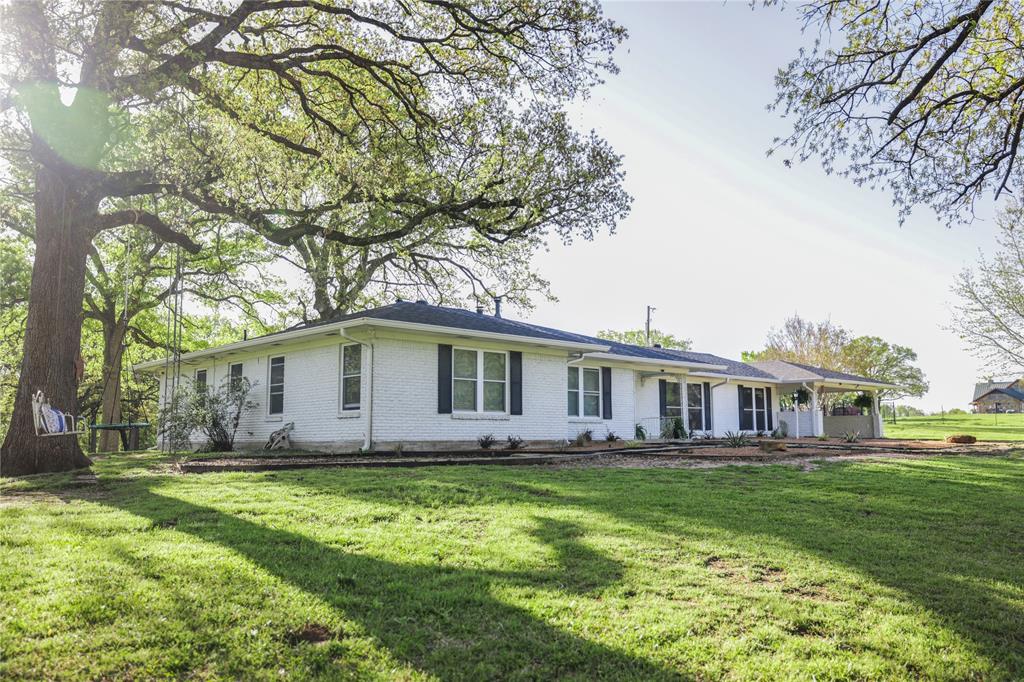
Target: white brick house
[{"x": 425, "y": 376}]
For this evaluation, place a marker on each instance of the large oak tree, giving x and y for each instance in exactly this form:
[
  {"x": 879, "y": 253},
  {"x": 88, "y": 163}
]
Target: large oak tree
[
  {"x": 358, "y": 122},
  {"x": 924, "y": 98}
]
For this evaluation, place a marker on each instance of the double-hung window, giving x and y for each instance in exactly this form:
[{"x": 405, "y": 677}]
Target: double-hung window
[
  {"x": 351, "y": 376},
  {"x": 753, "y": 409},
  {"x": 275, "y": 387},
  {"x": 200, "y": 379},
  {"x": 673, "y": 399},
  {"x": 235, "y": 374},
  {"x": 584, "y": 392},
  {"x": 695, "y": 406},
  {"x": 479, "y": 380}
]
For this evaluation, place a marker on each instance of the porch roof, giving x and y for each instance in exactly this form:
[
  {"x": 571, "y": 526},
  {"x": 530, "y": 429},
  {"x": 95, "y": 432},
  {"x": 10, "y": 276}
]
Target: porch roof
[{"x": 828, "y": 379}]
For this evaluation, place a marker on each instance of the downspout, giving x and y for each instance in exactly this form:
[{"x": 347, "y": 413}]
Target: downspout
[{"x": 368, "y": 438}]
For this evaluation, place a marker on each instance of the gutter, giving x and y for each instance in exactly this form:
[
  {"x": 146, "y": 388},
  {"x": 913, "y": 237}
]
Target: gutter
[
  {"x": 341, "y": 327},
  {"x": 630, "y": 360}
]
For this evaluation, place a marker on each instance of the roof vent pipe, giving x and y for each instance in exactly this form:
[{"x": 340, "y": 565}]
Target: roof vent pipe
[
  {"x": 479, "y": 309},
  {"x": 656, "y": 345},
  {"x": 497, "y": 306},
  {"x": 245, "y": 335}
]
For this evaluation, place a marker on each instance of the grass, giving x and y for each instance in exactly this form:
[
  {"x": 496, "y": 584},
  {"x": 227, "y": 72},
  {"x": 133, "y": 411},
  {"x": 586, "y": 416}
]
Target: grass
[
  {"x": 899, "y": 569},
  {"x": 982, "y": 426}
]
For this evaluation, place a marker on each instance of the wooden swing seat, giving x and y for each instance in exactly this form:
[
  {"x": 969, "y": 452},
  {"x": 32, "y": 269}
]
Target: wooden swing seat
[{"x": 71, "y": 425}]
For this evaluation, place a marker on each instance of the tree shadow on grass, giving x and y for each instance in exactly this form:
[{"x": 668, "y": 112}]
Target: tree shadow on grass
[
  {"x": 442, "y": 620},
  {"x": 945, "y": 536}
]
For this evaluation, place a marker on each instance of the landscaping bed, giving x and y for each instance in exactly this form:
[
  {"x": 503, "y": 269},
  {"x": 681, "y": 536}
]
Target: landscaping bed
[{"x": 702, "y": 450}]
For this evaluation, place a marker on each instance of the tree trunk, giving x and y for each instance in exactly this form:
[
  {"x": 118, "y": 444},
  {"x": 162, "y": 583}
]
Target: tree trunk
[
  {"x": 53, "y": 329},
  {"x": 110, "y": 403}
]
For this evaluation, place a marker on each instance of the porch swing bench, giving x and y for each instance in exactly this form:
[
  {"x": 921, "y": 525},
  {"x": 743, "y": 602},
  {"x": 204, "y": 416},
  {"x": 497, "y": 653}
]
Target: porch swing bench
[{"x": 52, "y": 422}]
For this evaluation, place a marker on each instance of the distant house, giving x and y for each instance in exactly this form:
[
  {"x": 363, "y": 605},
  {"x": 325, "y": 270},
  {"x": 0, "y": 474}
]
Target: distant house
[
  {"x": 425, "y": 376},
  {"x": 999, "y": 396}
]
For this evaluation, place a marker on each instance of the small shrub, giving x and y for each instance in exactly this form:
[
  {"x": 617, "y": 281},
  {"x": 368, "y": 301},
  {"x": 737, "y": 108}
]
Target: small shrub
[
  {"x": 781, "y": 431},
  {"x": 823, "y": 437},
  {"x": 736, "y": 439},
  {"x": 399, "y": 448},
  {"x": 639, "y": 432},
  {"x": 215, "y": 413},
  {"x": 761, "y": 433},
  {"x": 633, "y": 444},
  {"x": 708, "y": 435},
  {"x": 514, "y": 443},
  {"x": 962, "y": 438},
  {"x": 580, "y": 440},
  {"x": 611, "y": 437},
  {"x": 588, "y": 435},
  {"x": 673, "y": 429},
  {"x": 486, "y": 442},
  {"x": 851, "y": 436}
]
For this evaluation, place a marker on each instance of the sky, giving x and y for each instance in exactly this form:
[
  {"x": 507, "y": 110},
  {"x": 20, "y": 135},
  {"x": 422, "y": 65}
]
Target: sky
[{"x": 726, "y": 242}]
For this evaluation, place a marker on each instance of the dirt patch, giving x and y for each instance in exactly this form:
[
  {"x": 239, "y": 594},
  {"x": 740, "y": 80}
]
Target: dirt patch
[
  {"x": 753, "y": 574},
  {"x": 311, "y": 633}
]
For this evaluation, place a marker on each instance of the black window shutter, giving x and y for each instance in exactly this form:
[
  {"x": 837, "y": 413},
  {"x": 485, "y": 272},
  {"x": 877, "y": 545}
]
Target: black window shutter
[
  {"x": 606, "y": 392},
  {"x": 707, "y": 406},
  {"x": 768, "y": 407},
  {"x": 662, "y": 397},
  {"x": 746, "y": 419},
  {"x": 515, "y": 376},
  {"x": 444, "y": 378}
]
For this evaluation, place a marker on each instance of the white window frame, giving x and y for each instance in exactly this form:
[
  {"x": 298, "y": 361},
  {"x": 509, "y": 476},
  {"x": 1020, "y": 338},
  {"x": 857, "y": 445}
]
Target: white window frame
[
  {"x": 753, "y": 407},
  {"x": 342, "y": 377},
  {"x": 580, "y": 393},
  {"x": 480, "y": 381},
  {"x": 270, "y": 386},
  {"x": 702, "y": 407},
  {"x": 681, "y": 405},
  {"x": 206, "y": 378},
  {"x": 231, "y": 367},
  {"x": 764, "y": 410}
]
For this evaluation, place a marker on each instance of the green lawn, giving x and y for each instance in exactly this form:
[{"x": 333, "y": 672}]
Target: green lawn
[
  {"x": 982, "y": 426},
  {"x": 863, "y": 570}
]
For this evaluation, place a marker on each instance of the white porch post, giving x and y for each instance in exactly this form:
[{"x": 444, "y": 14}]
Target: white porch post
[
  {"x": 876, "y": 416},
  {"x": 684, "y": 403},
  {"x": 817, "y": 423},
  {"x": 796, "y": 415}
]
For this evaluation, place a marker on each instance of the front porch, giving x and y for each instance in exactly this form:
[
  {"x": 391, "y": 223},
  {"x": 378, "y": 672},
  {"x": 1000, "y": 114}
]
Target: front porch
[{"x": 806, "y": 386}]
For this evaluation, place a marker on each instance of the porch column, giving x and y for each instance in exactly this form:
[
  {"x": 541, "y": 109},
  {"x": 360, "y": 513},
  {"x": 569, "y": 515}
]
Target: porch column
[
  {"x": 876, "y": 416},
  {"x": 817, "y": 423},
  {"x": 684, "y": 404}
]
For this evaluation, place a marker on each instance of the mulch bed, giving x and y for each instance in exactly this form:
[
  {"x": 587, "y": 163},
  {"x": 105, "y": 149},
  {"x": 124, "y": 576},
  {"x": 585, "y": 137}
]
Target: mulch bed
[{"x": 654, "y": 454}]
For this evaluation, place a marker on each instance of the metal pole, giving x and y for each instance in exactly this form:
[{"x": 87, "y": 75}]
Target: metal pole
[{"x": 647, "y": 327}]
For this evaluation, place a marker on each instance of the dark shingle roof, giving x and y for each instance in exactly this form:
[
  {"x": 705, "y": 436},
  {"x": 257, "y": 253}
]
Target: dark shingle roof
[
  {"x": 732, "y": 367},
  {"x": 458, "y": 318}
]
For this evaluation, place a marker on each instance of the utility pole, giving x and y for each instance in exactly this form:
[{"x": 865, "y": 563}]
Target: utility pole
[{"x": 647, "y": 327}]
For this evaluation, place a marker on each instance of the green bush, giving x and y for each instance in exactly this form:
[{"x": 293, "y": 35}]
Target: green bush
[{"x": 215, "y": 413}]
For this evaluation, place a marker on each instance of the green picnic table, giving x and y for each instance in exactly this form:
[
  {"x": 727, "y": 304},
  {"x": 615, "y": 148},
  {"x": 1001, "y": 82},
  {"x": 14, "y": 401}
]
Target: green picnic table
[{"x": 129, "y": 432}]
